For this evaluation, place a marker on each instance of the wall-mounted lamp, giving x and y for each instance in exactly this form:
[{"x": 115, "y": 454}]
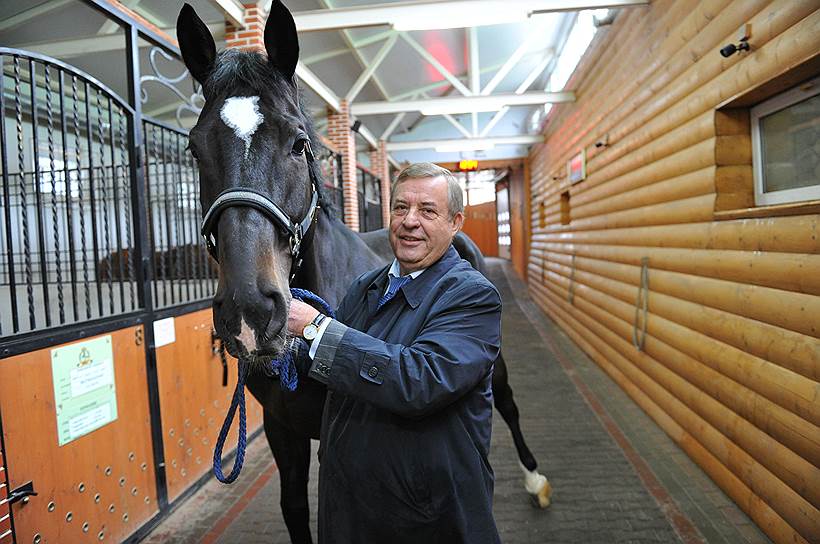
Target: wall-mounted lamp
[{"x": 356, "y": 126}]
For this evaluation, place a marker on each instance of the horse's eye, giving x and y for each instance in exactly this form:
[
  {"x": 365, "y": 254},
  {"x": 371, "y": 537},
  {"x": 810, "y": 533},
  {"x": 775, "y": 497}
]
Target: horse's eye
[{"x": 298, "y": 146}]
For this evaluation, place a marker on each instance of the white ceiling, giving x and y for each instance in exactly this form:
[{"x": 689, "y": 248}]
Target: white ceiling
[{"x": 73, "y": 32}]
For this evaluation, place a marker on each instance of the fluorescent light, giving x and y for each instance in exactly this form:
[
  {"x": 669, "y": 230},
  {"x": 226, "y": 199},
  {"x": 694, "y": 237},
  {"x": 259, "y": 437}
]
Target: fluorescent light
[
  {"x": 455, "y": 17},
  {"x": 453, "y": 109},
  {"x": 466, "y": 145}
]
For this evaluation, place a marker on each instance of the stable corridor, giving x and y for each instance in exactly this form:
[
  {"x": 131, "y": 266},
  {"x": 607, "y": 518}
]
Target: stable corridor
[{"x": 617, "y": 477}]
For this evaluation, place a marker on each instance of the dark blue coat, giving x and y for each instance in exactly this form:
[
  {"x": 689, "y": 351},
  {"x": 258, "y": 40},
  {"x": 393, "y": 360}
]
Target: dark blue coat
[{"x": 406, "y": 430}]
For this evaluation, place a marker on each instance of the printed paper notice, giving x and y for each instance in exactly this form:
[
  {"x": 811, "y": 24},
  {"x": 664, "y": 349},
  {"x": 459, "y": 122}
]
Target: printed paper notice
[
  {"x": 164, "y": 332},
  {"x": 85, "y": 395}
]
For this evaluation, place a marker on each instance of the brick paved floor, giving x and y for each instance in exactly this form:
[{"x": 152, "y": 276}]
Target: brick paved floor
[{"x": 601, "y": 453}]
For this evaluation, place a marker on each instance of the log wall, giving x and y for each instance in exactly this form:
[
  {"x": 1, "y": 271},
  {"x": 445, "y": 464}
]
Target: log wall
[{"x": 730, "y": 362}]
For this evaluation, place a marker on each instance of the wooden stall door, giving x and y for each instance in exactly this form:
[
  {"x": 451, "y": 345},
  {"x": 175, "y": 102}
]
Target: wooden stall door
[
  {"x": 193, "y": 401},
  {"x": 480, "y": 226},
  {"x": 97, "y": 486}
]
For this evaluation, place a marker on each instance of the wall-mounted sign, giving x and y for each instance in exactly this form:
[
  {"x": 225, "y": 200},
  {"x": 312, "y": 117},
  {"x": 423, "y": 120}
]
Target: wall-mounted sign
[
  {"x": 468, "y": 165},
  {"x": 164, "y": 332},
  {"x": 577, "y": 167},
  {"x": 85, "y": 396}
]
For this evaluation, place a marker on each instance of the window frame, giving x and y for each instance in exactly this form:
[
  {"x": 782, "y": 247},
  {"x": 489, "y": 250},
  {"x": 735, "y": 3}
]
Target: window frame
[{"x": 804, "y": 91}]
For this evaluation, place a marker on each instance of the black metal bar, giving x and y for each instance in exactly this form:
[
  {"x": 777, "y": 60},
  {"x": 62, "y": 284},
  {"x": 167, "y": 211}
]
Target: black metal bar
[
  {"x": 4, "y": 161},
  {"x": 55, "y": 223},
  {"x": 182, "y": 207},
  {"x": 68, "y": 204},
  {"x": 129, "y": 253},
  {"x": 117, "y": 216},
  {"x": 32, "y": 341},
  {"x": 93, "y": 198},
  {"x": 155, "y": 219},
  {"x": 79, "y": 158},
  {"x": 167, "y": 253},
  {"x": 41, "y": 235},
  {"x": 139, "y": 197},
  {"x": 21, "y": 163},
  {"x": 104, "y": 199},
  {"x": 126, "y": 21},
  {"x": 190, "y": 178}
]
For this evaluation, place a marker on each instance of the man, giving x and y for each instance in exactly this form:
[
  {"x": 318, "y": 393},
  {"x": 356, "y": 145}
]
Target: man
[{"x": 408, "y": 364}]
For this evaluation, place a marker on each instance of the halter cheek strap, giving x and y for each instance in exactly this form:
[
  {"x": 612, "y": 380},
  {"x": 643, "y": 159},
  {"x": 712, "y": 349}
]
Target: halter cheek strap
[{"x": 296, "y": 231}]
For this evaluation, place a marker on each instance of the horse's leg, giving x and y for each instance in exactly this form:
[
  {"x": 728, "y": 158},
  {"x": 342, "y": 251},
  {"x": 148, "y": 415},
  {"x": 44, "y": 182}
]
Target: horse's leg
[
  {"x": 535, "y": 483},
  {"x": 292, "y": 455}
]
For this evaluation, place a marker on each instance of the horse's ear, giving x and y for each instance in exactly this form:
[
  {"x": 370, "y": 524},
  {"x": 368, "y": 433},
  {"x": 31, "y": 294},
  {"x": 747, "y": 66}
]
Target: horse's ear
[
  {"x": 281, "y": 40},
  {"x": 196, "y": 43}
]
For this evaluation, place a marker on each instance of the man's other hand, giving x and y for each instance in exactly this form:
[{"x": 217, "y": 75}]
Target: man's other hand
[{"x": 299, "y": 316}]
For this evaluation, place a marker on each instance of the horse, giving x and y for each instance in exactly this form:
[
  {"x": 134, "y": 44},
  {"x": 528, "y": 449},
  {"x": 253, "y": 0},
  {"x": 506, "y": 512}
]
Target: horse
[{"x": 270, "y": 226}]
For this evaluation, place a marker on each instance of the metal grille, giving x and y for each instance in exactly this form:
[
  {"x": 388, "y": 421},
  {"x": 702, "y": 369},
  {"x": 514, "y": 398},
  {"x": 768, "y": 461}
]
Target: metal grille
[
  {"x": 370, "y": 207},
  {"x": 182, "y": 269},
  {"x": 66, "y": 234},
  {"x": 331, "y": 165}
]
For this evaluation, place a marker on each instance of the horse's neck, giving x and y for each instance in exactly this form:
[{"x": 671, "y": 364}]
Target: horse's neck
[{"x": 335, "y": 258}]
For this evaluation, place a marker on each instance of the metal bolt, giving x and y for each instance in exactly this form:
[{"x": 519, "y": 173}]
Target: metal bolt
[
  {"x": 81, "y": 487},
  {"x": 183, "y": 472},
  {"x": 202, "y": 412},
  {"x": 101, "y": 535},
  {"x": 187, "y": 422},
  {"x": 144, "y": 466},
  {"x": 97, "y": 498},
  {"x": 171, "y": 432},
  {"x": 181, "y": 442},
  {"x": 111, "y": 507},
  {"x": 132, "y": 456},
  {"x": 108, "y": 471},
  {"x": 147, "y": 500},
  {"x": 122, "y": 481},
  {"x": 125, "y": 517},
  {"x": 134, "y": 490},
  {"x": 85, "y": 527},
  {"x": 37, "y": 539},
  {"x": 51, "y": 506},
  {"x": 69, "y": 517}
]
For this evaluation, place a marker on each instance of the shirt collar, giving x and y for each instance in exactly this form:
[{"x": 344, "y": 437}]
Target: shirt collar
[{"x": 395, "y": 271}]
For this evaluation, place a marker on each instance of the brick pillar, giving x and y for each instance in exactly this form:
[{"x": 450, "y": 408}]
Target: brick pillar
[
  {"x": 343, "y": 139},
  {"x": 380, "y": 166},
  {"x": 251, "y": 37}
]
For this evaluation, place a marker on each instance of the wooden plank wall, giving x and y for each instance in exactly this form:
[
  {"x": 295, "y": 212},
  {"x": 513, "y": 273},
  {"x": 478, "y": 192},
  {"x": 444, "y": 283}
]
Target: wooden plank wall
[
  {"x": 480, "y": 225},
  {"x": 731, "y": 359}
]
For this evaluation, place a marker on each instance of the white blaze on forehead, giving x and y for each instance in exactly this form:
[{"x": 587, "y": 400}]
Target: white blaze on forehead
[
  {"x": 242, "y": 114},
  {"x": 247, "y": 337}
]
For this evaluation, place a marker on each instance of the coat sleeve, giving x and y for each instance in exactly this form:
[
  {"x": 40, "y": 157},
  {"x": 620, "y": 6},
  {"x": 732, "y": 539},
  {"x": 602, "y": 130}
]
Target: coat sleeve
[{"x": 453, "y": 352}]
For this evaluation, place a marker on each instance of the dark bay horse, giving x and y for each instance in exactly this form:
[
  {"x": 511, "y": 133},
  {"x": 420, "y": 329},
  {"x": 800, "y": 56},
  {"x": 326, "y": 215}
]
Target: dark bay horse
[{"x": 253, "y": 146}]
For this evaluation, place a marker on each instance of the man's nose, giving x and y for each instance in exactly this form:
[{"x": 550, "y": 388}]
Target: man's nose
[{"x": 411, "y": 218}]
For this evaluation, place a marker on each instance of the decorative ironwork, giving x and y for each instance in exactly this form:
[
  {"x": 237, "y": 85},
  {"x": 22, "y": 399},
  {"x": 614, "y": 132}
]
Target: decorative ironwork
[{"x": 192, "y": 103}]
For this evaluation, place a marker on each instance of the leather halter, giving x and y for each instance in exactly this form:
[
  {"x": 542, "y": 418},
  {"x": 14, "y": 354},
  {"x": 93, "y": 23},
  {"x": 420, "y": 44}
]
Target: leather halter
[{"x": 296, "y": 231}]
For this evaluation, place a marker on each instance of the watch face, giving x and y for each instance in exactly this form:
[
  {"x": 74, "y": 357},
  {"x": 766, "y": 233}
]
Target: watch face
[{"x": 310, "y": 331}]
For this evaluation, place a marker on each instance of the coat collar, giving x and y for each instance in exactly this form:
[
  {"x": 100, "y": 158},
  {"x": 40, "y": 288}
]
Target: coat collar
[{"x": 415, "y": 290}]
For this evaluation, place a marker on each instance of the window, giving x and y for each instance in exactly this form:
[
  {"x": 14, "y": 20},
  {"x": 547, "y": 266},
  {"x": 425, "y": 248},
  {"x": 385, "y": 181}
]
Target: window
[{"x": 785, "y": 149}]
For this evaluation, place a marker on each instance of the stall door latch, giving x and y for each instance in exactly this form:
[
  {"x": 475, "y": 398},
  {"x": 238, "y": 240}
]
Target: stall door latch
[{"x": 22, "y": 493}]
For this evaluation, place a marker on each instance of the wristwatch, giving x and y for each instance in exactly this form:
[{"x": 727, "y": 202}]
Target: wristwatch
[{"x": 312, "y": 329}]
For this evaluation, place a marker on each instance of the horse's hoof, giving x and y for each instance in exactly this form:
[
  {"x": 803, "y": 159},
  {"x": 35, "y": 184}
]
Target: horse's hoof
[{"x": 542, "y": 498}]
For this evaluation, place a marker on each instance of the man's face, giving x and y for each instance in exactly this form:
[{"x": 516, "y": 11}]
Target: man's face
[{"x": 421, "y": 229}]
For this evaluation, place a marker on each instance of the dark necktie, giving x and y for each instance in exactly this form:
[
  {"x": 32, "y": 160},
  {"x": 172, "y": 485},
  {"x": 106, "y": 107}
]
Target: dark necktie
[{"x": 392, "y": 289}]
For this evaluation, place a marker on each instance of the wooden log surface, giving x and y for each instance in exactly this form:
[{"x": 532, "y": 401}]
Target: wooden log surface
[{"x": 790, "y": 508}]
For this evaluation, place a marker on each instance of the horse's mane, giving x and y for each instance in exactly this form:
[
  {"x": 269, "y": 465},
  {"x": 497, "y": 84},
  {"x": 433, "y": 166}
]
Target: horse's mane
[{"x": 233, "y": 67}]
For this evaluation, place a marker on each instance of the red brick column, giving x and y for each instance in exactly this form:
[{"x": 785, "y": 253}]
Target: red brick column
[
  {"x": 380, "y": 166},
  {"x": 343, "y": 139},
  {"x": 251, "y": 37}
]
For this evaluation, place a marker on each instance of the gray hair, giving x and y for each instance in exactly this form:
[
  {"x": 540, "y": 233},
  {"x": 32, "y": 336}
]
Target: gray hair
[{"x": 421, "y": 170}]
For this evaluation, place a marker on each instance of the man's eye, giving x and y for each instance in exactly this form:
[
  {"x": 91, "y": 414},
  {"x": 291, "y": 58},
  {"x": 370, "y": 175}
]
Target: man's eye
[{"x": 399, "y": 209}]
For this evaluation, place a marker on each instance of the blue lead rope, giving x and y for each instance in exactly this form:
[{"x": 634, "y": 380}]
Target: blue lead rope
[{"x": 285, "y": 368}]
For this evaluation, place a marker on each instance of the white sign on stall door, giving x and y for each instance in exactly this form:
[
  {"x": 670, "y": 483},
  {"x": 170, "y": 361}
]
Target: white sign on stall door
[{"x": 164, "y": 332}]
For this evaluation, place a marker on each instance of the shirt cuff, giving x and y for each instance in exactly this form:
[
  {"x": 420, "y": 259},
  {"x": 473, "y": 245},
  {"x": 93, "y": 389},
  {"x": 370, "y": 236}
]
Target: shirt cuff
[
  {"x": 326, "y": 350},
  {"x": 314, "y": 344}
]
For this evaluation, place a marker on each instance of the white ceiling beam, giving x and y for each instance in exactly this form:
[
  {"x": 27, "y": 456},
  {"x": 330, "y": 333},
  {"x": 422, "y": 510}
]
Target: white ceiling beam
[
  {"x": 233, "y": 10},
  {"x": 374, "y": 64},
  {"x": 458, "y": 125},
  {"x": 442, "y": 13},
  {"x": 489, "y": 142},
  {"x": 27, "y": 15},
  {"x": 511, "y": 63},
  {"x": 317, "y": 86},
  {"x": 474, "y": 70},
  {"x": 357, "y": 44},
  {"x": 368, "y": 136},
  {"x": 436, "y": 64},
  {"x": 461, "y": 104},
  {"x": 393, "y": 125},
  {"x": 76, "y": 47},
  {"x": 531, "y": 77}
]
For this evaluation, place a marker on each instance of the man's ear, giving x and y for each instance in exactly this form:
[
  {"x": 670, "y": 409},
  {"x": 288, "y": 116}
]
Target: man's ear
[
  {"x": 196, "y": 44},
  {"x": 281, "y": 40},
  {"x": 458, "y": 222}
]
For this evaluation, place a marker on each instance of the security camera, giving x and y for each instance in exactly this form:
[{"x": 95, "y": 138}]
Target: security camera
[{"x": 728, "y": 50}]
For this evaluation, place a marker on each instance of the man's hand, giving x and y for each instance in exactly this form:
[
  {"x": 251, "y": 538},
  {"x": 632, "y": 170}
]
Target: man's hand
[{"x": 299, "y": 316}]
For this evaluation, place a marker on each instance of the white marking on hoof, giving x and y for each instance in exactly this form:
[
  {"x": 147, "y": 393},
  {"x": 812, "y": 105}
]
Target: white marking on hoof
[
  {"x": 242, "y": 114},
  {"x": 537, "y": 486},
  {"x": 247, "y": 337}
]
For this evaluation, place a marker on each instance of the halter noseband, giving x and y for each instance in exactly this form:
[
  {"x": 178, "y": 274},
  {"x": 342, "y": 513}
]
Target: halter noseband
[{"x": 296, "y": 231}]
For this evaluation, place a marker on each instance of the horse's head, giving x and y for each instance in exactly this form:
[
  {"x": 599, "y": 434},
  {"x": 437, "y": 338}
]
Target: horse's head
[{"x": 251, "y": 136}]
